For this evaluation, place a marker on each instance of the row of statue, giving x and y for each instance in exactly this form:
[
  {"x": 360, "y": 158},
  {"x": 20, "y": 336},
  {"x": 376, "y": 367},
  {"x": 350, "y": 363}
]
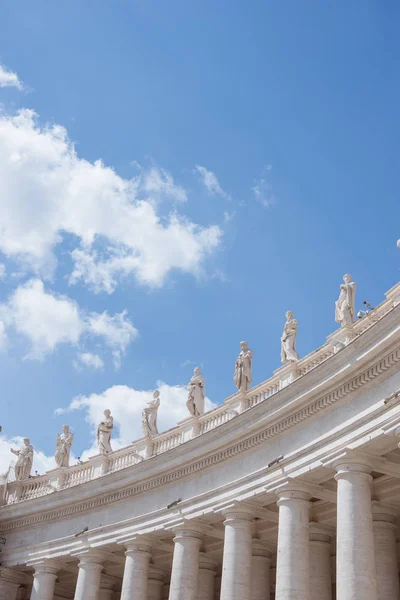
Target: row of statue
[{"x": 344, "y": 314}]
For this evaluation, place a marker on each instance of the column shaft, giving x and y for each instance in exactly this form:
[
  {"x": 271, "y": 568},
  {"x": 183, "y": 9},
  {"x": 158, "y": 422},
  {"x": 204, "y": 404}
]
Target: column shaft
[
  {"x": 320, "y": 567},
  {"x": 387, "y": 570},
  {"x": 293, "y": 557},
  {"x": 355, "y": 556},
  {"x": 44, "y": 580},
  {"x": 206, "y": 578},
  {"x": 89, "y": 576},
  {"x": 136, "y": 572},
  {"x": 155, "y": 583},
  {"x": 236, "y": 565},
  {"x": 260, "y": 571},
  {"x": 185, "y": 564}
]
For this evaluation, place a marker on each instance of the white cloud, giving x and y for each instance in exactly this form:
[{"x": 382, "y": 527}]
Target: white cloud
[
  {"x": 46, "y": 190},
  {"x": 88, "y": 360},
  {"x": 262, "y": 189},
  {"x": 158, "y": 182},
  {"x": 3, "y": 335},
  {"x": 117, "y": 331},
  {"x": 126, "y": 406},
  {"x": 47, "y": 320},
  {"x": 2, "y": 271},
  {"x": 9, "y": 79},
  {"x": 211, "y": 182}
]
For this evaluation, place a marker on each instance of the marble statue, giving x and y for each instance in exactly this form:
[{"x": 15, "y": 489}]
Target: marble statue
[
  {"x": 195, "y": 401},
  {"x": 63, "y": 447},
  {"x": 104, "y": 431},
  {"x": 149, "y": 416},
  {"x": 288, "y": 339},
  {"x": 23, "y": 466},
  {"x": 242, "y": 375},
  {"x": 345, "y": 306}
]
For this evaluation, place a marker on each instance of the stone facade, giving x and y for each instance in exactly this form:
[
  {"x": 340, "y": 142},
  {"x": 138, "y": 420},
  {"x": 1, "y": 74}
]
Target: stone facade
[{"x": 289, "y": 490}]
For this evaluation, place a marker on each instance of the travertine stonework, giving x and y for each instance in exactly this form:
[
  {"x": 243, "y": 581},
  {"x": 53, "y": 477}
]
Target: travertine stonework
[{"x": 288, "y": 490}]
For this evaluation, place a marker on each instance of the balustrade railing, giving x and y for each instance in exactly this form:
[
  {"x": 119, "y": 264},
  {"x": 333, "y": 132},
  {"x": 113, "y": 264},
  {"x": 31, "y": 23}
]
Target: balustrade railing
[{"x": 36, "y": 487}]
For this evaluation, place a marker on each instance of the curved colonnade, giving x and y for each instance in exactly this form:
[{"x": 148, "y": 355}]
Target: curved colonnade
[{"x": 289, "y": 492}]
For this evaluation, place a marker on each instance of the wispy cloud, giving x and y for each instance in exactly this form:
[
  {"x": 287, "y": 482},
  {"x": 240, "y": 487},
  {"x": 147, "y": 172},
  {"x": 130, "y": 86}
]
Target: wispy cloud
[
  {"x": 211, "y": 182},
  {"x": 89, "y": 361},
  {"x": 262, "y": 188},
  {"x": 9, "y": 79}
]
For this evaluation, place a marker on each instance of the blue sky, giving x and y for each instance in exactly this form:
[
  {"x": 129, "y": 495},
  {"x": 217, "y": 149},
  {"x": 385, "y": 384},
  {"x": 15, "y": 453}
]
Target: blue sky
[{"x": 249, "y": 157}]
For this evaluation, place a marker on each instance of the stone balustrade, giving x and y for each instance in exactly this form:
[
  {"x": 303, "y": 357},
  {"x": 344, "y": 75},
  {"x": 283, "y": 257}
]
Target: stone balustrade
[{"x": 146, "y": 448}]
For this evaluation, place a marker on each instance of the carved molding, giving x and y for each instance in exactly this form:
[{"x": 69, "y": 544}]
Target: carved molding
[{"x": 220, "y": 456}]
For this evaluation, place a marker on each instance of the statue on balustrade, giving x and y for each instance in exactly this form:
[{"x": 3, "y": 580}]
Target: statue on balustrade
[
  {"x": 195, "y": 401},
  {"x": 288, "y": 339},
  {"x": 345, "y": 313},
  {"x": 242, "y": 375},
  {"x": 149, "y": 416},
  {"x": 63, "y": 447},
  {"x": 104, "y": 431},
  {"x": 23, "y": 466}
]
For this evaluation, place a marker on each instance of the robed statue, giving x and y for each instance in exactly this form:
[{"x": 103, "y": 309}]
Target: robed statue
[
  {"x": 63, "y": 447},
  {"x": 288, "y": 339},
  {"x": 243, "y": 375},
  {"x": 104, "y": 431},
  {"x": 23, "y": 466},
  {"x": 195, "y": 401},
  {"x": 149, "y": 415},
  {"x": 345, "y": 313}
]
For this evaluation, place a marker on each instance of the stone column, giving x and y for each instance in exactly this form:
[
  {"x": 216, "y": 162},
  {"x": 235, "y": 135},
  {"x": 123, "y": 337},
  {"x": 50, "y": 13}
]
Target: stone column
[
  {"x": 387, "y": 569},
  {"x": 355, "y": 562},
  {"x": 185, "y": 564},
  {"x": 293, "y": 557},
  {"x": 260, "y": 571},
  {"x": 89, "y": 575},
  {"x": 206, "y": 578},
  {"x": 44, "y": 579},
  {"x": 10, "y": 583},
  {"x": 320, "y": 564},
  {"x": 155, "y": 583},
  {"x": 236, "y": 564},
  {"x": 136, "y": 572}
]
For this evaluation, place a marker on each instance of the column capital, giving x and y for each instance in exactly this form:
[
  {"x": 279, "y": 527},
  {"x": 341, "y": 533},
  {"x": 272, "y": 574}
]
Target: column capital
[
  {"x": 187, "y": 528},
  {"x": 207, "y": 563},
  {"x": 138, "y": 544},
  {"x": 261, "y": 548},
  {"x": 321, "y": 533},
  {"x": 351, "y": 461},
  {"x": 292, "y": 489},
  {"x": 383, "y": 513},
  {"x": 108, "y": 582},
  {"x": 90, "y": 556},
  {"x": 45, "y": 565},
  {"x": 238, "y": 512},
  {"x": 156, "y": 574}
]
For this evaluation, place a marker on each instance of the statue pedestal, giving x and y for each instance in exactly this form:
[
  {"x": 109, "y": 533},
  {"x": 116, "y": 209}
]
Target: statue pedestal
[
  {"x": 100, "y": 464},
  {"x": 57, "y": 477},
  {"x": 18, "y": 487},
  {"x": 190, "y": 428},
  {"x": 287, "y": 374},
  {"x": 340, "y": 338}
]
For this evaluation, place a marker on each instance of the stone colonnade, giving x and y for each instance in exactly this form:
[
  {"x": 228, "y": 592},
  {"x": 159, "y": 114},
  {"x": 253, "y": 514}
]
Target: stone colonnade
[{"x": 366, "y": 569}]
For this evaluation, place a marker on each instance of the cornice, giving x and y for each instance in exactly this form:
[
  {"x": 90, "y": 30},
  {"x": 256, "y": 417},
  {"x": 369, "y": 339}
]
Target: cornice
[{"x": 307, "y": 411}]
